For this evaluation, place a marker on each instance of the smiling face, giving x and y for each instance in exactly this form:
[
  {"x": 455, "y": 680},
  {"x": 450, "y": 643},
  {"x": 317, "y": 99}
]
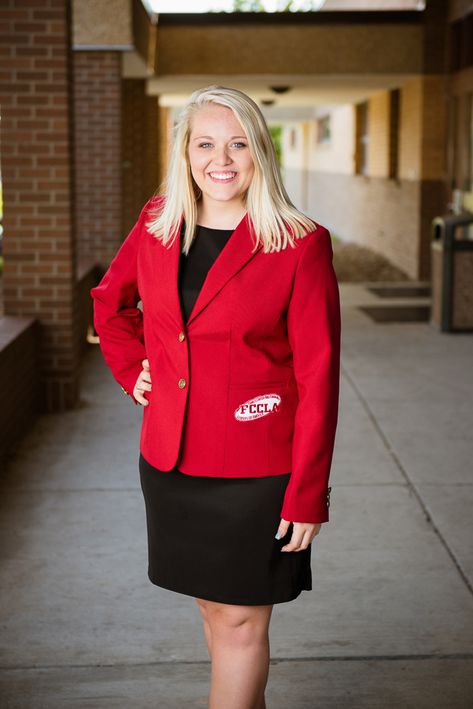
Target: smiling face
[{"x": 219, "y": 156}]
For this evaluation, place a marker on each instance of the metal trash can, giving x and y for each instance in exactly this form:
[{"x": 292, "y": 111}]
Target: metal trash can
[{"x": 452, "y": 273}]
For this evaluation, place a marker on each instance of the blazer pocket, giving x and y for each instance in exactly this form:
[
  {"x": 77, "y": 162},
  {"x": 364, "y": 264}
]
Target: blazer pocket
[{"x": 252, "y": 411}]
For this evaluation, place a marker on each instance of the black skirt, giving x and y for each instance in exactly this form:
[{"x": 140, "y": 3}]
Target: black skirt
[{"x": 214, "y": 538}]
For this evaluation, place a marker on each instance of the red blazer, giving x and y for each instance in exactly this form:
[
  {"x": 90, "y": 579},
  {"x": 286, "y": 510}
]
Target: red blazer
[{"x": 249, "y": 385}]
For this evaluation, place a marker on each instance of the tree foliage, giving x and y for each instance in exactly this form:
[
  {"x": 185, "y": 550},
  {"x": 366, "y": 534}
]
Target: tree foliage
[{"x": 285, "y": 6}]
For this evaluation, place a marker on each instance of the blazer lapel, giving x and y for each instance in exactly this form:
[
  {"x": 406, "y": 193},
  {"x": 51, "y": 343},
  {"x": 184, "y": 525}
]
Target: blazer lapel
[{"x": 235, "y": 254}]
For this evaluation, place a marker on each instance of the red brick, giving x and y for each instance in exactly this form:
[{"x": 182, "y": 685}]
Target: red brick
[
  {"x": 35, "y": 76},
  {"x": 39, "y": 28},
  {"x": 39, "y": 274},
  {"x": 47, "y": 14}
]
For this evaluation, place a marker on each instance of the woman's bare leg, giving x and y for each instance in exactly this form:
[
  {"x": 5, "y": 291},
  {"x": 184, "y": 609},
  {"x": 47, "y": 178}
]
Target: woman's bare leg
[
  {"x": 238, "y": 643},
  {"x": 206, "y": 624}
]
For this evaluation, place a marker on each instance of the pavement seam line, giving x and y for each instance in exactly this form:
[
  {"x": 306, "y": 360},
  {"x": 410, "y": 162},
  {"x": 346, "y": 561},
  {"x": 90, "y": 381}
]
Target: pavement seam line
[
  {"x": 409, "y": 483},
  {"x": 313, "y": 658}
]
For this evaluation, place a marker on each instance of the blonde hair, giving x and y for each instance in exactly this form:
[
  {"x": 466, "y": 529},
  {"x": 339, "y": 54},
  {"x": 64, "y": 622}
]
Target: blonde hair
[{"x": 273, "y": 218}]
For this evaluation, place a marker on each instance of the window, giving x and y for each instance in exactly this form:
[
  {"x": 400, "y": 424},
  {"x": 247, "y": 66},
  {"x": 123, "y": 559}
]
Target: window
[
  {"x": 460, "y": 44},
  {"x": 293, "y": 138},
  {"x": 469, "y": 142},
  {"x": 460, "y": 142},
  {"x": 323, "y": 134},
  {"x": 452, "y": 144},
  {"x": 394, "y": 119},
  {"x": 362, "y": 139}
]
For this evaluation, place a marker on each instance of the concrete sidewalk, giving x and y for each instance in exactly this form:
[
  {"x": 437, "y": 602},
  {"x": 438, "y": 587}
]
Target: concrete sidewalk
[{"x": 389, "y": 621}]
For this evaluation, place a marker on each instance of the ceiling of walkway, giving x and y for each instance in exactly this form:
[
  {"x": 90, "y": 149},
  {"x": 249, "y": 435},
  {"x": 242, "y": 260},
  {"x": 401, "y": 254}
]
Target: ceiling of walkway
[
  {"x": 303, "y": 92},
  {"x": 289, "y": 64},
  {"x": 320, "y": 58}
]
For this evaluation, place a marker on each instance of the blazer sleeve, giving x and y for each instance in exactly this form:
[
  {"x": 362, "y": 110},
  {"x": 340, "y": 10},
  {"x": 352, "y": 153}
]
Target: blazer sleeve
[
  {"x": 117, "y": 319},
  {"x": 314, "y": 332}
]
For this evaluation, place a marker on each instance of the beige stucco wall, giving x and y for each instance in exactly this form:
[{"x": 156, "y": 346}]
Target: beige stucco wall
[
  {"x": 336, "y": 156},
  {"x": 102, "y": 23},
  {"x": 294, "y": 146},
  {"x": 303, "y": 49}
]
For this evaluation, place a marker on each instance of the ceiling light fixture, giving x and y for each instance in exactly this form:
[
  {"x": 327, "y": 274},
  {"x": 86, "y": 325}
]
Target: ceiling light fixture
[{"x": 280, "y": 89}]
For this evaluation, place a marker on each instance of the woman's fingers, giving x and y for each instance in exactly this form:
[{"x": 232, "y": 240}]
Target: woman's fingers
[
  {"x": 282, "y": 529},
  {"x": 139, "y": 396},
  {"x": 315, "y": 531},
  {"x": 295, "y": 546},
  {"x": 145, "y": 375},
  {"x": 302, "y": 536},
  {"x": 296, "y": 540},
  {"x": 143, "y": 383}
]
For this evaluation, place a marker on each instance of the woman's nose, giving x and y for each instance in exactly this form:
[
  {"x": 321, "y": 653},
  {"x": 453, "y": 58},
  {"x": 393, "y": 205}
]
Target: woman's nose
[{"x": 222, "y": 156}]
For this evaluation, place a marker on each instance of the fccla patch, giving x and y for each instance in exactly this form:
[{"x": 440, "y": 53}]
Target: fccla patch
[{"x": 257, "y": 407}]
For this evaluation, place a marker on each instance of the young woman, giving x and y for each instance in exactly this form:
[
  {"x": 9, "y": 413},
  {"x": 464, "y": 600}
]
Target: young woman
[{"x": 235, "y": 357}]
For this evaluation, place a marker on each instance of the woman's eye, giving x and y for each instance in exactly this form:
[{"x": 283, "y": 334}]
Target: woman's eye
[{"x": 202, "y": 145}]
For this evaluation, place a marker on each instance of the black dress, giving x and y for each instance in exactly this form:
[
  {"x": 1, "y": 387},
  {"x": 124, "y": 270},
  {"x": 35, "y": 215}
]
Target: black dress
[{"x": 214, "y": 538}]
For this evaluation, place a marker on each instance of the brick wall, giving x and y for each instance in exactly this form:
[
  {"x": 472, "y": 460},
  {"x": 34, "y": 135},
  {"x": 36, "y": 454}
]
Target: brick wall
[
  {"x": 37, "y": 167},
  {"x": 116, "y": 153},
  {"x": 140, "y": 146},
  {"x": 98, "y": 175}
]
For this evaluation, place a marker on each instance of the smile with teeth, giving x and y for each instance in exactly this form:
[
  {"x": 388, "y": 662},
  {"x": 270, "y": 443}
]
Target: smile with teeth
[{"x": 222, "y": 176}]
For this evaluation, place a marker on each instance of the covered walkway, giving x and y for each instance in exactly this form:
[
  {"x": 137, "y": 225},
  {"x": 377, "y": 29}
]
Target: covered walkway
[{"x": 388, "y": 623}]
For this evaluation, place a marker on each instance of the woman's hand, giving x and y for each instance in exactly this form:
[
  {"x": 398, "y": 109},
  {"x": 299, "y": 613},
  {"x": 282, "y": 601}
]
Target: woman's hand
[
  {"x": 143, "y": 383},
  {"x": 302, "y": 534}
]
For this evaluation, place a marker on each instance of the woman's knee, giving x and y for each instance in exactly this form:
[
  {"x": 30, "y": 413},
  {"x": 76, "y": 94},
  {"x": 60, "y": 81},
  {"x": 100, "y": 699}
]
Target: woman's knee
[{"x": 238, "y": 624}]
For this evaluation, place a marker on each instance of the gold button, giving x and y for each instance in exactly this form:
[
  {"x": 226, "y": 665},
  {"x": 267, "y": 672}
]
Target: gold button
[
  {"x": 181, "y": 337},
  {"x": 181, "y": 383}
]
